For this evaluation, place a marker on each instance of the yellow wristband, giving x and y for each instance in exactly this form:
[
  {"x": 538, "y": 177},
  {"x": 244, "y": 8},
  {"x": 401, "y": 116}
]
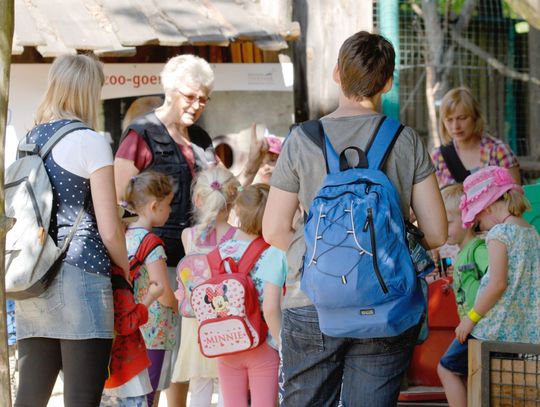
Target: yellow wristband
[{"x": 474, "y": 316}]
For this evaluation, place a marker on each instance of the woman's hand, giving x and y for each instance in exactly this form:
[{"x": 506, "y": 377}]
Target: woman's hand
[{"x": 464, "y": 329}]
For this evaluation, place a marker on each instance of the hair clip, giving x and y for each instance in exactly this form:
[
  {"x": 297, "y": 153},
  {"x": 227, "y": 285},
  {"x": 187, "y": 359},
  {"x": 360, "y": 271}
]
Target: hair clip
[
  {"x": 124, "y": 204},
  {"x": 215, "y": 185},
  {"x": 133, "y": 179},
  {"x": 240, "y": 188}
]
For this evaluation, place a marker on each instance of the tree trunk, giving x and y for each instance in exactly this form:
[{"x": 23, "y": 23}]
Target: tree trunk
[
  {"x": 6, "y": 38},
  {"x": 439, "y": 56}
]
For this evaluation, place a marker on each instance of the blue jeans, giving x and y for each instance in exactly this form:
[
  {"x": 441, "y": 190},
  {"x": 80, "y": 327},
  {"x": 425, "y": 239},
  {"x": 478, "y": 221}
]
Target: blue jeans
[{"x": 319, "y": 370}]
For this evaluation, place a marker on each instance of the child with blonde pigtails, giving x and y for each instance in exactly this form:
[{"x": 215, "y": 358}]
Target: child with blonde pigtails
[
  {"x": 507, "y": 306},
  {"x": 214, "y": 193},
  {"x": 149, "y": 195}
]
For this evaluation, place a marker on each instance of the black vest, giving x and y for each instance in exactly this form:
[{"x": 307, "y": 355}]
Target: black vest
[{"x": 168, "y": 159}]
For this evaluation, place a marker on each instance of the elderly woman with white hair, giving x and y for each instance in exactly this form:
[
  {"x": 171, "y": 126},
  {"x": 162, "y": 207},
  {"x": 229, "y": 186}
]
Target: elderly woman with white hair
[{"x": 168, "y": 141}]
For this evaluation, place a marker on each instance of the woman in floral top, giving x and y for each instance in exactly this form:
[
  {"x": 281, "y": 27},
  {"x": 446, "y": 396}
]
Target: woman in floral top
[{"x": 462, "y": 124}]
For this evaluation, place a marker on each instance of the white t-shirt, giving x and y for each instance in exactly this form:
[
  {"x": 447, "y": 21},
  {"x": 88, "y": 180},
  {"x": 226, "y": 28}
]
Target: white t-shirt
[{"x": 82, "y": 152}]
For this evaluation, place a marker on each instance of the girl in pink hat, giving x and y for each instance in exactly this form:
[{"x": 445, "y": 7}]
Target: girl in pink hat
[{"x": 507, "y": 306}]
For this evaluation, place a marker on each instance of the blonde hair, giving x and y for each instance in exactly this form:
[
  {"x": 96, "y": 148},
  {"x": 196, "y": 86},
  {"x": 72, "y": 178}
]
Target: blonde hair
[
  {"x": 517, "y": 203},
  {"x": 451, "y": 196},
  {"x": 188, "y": 69},
  {"x": 214, "y": 191},
  {"x": 449, "y": 103},
  {"x": 73, "y": 90},
  {"x": 250, "y": 206},
  {"x": 145, "y": 187}
]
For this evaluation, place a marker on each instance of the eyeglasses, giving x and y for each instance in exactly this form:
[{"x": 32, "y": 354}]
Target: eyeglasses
[{"x": 191, "y": 99}]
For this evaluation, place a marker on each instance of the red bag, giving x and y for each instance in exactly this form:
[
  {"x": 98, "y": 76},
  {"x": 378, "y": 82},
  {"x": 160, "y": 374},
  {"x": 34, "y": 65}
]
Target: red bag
[{"x": 227, "y": 305}]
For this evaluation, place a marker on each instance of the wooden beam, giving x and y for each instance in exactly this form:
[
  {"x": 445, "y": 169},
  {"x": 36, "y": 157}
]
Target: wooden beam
[
  {"x": 247, "y": 52},
  {"x": 6, "y": 38},
  {"x": 236, "y": 53}
]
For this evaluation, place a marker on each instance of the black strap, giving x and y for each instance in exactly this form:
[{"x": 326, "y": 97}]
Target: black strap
[
  {"x": 315, "y": 132},
  {"x": 120, "y": 283},
  {"x": 454, "y": 163}
]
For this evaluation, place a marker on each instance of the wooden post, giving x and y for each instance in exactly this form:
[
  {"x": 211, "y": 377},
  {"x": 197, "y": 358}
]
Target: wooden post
[
  {"x": 324, "y": 26},
  {"x": 6, "y": 38},
  {"x": 534, "y": 92}
]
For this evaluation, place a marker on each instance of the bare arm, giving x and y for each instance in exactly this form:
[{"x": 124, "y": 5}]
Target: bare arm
[
  {"x": 257, "y": 149},
  {"x": 272, "y": 309},
  {"x": 278, "y": 218},
  {"x": 109, "y": 225},
  {"x": 124, "y": 170},
  {"x": 157, "y": 271},
  {"x": 429, "y": 209}
]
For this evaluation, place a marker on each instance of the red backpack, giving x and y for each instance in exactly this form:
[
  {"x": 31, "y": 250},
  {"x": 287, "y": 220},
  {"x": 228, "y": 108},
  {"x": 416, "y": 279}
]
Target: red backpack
[{"x": 227, "y": 305}]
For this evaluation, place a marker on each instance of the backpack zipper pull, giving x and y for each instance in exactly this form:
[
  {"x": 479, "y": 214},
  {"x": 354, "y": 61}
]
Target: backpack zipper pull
[{"x": 368, "y": 219}]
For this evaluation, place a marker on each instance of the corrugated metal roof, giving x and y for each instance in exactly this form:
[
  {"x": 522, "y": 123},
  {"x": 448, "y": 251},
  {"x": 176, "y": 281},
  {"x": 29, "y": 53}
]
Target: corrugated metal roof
[{"x": 115, "y": 27}]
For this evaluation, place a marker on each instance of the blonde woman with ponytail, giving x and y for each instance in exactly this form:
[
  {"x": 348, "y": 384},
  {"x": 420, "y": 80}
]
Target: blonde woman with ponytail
[{"x": 214, "y": 193}]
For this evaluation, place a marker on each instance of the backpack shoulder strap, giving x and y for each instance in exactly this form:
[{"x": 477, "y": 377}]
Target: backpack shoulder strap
[
  {"x": 454, "y": 163},
  {"x": 228, "y": 234},
  {"x": 251, "y": 255},
  {"x": 472, "y": 260},
  {"x": 315, "y": 132},
  {"x": 59, "y": 135},
  {"x": 149, "y": 242},
  {"x": 381, "y": 144},
  {"x": 214, "y": 260}
]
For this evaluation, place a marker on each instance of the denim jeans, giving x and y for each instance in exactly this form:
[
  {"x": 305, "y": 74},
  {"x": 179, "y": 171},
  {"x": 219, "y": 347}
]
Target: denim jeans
[{"x": 318, "y": 370}]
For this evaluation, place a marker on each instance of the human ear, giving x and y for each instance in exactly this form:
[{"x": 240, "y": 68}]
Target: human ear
[
  {"x": 335, "y": 74},
  {"x": 197, "y": 201},
  {"x": 388, "y": 85},
  {"x": 154, "y": 205}
]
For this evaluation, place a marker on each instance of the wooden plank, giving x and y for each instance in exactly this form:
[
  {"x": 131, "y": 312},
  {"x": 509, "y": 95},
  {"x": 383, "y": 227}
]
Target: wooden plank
[
  {"x": 129, "y": 23},
  {"x": 474, "y": 384},
  {"x": 216, "y": 56},
  {"x": 74, "y": 24},
  {"x": 26, "y": 31},
  {"x": 236, "y": 52},
  {"x": 7, "y": 22},
  {"x": 194, "y": 21},
  {"x": 168, "y": 34},
  {"x": 247, "y": 52},
  {"x": 257, "y": 55},
  {"x": 246, "y": 24}
]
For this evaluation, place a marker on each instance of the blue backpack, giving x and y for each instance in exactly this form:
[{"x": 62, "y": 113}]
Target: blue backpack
[{"x": 358, "y": 270}]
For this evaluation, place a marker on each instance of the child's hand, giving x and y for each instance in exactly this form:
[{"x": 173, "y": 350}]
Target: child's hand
[
  {"x": 257, "y": 146},
  {"x": 464, "y": 329},
  {"x": 155, "y": 289}
]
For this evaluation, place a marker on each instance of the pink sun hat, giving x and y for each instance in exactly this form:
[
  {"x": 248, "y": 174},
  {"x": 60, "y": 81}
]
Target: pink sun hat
[
  {"x": 274, "y": 144},
  {"x": 482, "y": 188}
]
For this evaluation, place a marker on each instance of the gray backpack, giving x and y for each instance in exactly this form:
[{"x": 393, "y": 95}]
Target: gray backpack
[{"x": 32, "y": 258}]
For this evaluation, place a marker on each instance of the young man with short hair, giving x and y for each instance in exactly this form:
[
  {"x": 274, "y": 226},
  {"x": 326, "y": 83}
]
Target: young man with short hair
[{"x": 318, "y": 369}]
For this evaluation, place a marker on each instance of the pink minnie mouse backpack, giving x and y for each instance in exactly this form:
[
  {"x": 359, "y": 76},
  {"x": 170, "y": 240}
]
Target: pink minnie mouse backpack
[
  {"x": 227, "y": 305},
  {"x": 193, "y": 269}
]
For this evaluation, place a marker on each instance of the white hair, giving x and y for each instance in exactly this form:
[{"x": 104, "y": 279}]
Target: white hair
[{"x": 189, "y": 69}]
